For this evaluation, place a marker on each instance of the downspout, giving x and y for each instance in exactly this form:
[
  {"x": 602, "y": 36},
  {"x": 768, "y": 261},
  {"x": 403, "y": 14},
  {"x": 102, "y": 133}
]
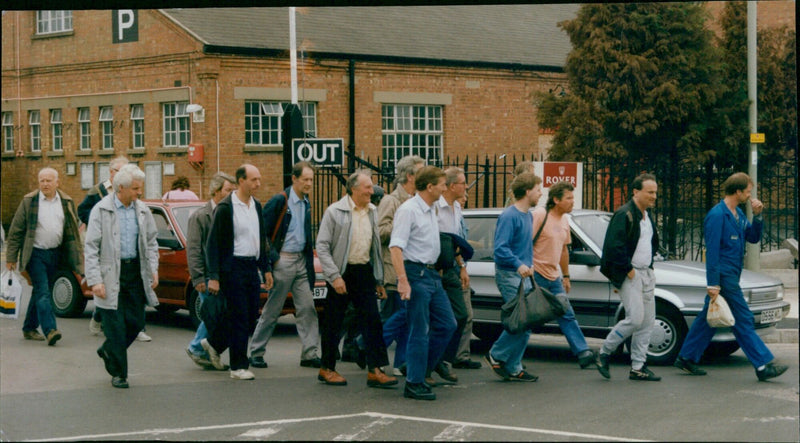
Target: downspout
[
  {"x": 351, "y": 147},
  {"x": 19, "y": 82},
  {"x": 216, "y": 111}
]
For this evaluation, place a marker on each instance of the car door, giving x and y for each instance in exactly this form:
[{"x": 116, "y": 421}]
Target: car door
[
  {"x": 172, "y": 270},
  {"x": 591, "y": 292},
  {"x": 486, "y": 300}
]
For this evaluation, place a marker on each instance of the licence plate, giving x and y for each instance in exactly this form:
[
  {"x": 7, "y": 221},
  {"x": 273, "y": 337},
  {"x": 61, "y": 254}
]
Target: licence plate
[
  {"x": 320, "y": 293},
  {"x": 771, "y": 315}
]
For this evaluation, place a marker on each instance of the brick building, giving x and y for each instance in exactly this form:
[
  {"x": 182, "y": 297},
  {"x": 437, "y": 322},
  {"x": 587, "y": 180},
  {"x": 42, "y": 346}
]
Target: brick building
[{"x": 439, "y": 81}]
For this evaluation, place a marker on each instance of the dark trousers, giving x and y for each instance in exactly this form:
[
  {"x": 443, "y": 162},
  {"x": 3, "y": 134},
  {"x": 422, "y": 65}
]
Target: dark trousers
[
  {"x": 361, "y": 292},
  {"x": 42, "y": 270},
  {"x": 241, "y": 288},
  {"x": 451, "y": 282},
  {"x": 122, "y": 325}
]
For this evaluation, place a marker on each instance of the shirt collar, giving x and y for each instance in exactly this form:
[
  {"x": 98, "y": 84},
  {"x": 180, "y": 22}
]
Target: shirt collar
[
  {"x": 235, "y": 200},
  {"x": 118, "y": 204},
  {"x": 422, "y": 204},
  {"x": 56, "y": 198}
]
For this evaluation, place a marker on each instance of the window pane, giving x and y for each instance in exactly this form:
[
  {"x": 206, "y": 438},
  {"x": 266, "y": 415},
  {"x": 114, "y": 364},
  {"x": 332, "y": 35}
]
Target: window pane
[
  {"x": 83, "y": 114},
  {"x": 55, "y": 116},
  {"x": 106, "y": 114}
]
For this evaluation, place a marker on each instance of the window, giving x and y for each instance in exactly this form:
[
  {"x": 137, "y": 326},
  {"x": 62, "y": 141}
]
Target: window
[
  {"x": 8, "y": 132},
  {"x": 87, "y": 175},
  {"x": 85, "y": 129},
  {"x": 411, "y": 130},
  {"x": 107, "y": 126},
  {"x": 137, "y": 126},
  {"x": 57, "y": 129},
  {"x": 176, "y": 125},
  {"x": 36, "y": 131},
  {"x": 49, "y": 22},
  {"x": 262, "y": 121}
]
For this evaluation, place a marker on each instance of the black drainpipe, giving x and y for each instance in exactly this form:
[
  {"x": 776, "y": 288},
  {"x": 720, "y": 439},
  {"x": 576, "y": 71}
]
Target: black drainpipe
[{"x": 351, "y": 147}]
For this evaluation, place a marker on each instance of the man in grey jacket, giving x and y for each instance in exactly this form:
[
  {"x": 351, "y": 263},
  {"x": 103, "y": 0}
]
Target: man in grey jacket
[
  {"x": 121, "y": 257},
  {"x": 349, "y": 250}
]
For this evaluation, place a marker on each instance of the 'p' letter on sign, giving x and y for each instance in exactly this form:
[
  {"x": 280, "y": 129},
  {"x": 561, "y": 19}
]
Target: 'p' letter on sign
[{"x": 124, "y": 25}]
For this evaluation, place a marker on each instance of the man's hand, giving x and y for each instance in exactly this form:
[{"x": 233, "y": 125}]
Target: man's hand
[
  {"x": 464, "y": 278},
  {"x": 381, "y": 292},
  {"x": 213, "y": 287},
  {"x": 756, "y": 205},
  {"x": 567, "y": 285},
  {"x": 99, "y": 290},
  {"x": 339, "y": 286},
  {"x": 155, "y": 280},
  {"x": 404, "y": 288},
  {"x": 269, "y": 282},
  {"x": 524, "y": 271},
  {"x": 200, "y": 287},
  {"x": 713, "y": 293},
  {"x": 11, "y": 266},
  {"x": 631, "y": 274}
]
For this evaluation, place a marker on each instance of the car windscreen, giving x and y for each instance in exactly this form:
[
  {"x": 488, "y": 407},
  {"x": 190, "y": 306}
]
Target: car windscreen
[
  {"x": 594, "y": 226},
  {"x": 480, "y": 234},
  {"x": 182, "y": 215}
]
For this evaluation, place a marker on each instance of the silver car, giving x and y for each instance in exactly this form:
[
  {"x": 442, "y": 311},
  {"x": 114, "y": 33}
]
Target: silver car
[{"x": 680, "y": 290}]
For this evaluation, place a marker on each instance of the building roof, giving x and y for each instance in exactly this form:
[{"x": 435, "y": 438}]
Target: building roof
[{"x": 523, "y": 35}]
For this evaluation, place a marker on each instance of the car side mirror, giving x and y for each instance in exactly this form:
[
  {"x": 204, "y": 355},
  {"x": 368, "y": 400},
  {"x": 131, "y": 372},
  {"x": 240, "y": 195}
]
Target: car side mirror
[
  {"x": 169, "y": 242},
  {"x": 587, "y": 258}
]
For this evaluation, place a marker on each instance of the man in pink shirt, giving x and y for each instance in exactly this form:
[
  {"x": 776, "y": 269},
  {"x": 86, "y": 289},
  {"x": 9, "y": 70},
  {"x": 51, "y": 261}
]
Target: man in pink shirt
[{"x": 550, "y": 253}]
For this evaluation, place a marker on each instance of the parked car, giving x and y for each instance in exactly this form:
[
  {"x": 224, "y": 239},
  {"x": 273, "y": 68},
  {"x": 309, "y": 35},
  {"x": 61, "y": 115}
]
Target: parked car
[
  {"x": 680, "y": 289},
  {"x": 174, "y": 290}
]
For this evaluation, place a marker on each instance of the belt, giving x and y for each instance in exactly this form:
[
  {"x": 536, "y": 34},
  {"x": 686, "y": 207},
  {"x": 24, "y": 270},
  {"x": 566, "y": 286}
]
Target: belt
[
  {"x": 130, "y": 261},
  {"x": 248, "y": 259},
  {"x": 416, "y": 263}
]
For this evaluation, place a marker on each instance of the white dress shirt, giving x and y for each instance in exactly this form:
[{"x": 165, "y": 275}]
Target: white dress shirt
[
  {"x": 415, "y": 230},
  {"x": 643, "y": 255},
  {"x": 449, "y": 216},
  {"x": 245, "y": 228},
  {"x": 49, "y": 223}
]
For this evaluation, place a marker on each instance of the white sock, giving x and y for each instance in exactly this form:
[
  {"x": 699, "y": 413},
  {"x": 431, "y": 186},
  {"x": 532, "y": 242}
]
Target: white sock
[{"x": 761, "y": 368}]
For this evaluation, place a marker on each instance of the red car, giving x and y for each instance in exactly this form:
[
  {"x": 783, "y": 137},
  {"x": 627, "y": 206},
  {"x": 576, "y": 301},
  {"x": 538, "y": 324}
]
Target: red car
[{"x": 175, "y": 290}]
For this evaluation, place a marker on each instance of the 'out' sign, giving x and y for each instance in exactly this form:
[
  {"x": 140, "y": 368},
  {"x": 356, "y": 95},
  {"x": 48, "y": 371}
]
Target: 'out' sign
[
  {"x": 124, "y": 25},
  {"x": 319, "y": 151}
]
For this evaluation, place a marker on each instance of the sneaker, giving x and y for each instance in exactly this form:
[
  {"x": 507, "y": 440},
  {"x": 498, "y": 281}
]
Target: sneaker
[
  {"x": 523, "y": 376},
  {"x": 643, "y": 374},
  {"x": 418, "y": 391},
  {"x": 444, "y": 371},
  {"x": 258, "y": 362},
  {"x": 397, "y": 372},
  {"x": 33, "y": 335},
  {"x": 688, "y": 366},
  {"x": 143, "y": 336},
  {"x": 498, "y": 367},
  {"x": 119, "y": 382},
  {"x": 198, "y": 360},
  {"x": 586, "y": 358},
  {"x": 770, "y": 371},
  {"x": 213, "y": 355},
  {"x": 52, "y": 337},
  {"x": 315, "y": 362},
  {"x": 467, "y": 364},
  {"x": 242, "y": 374},
  {"x": 95, "y": 327},
  {"x": 602, "y": 364}
]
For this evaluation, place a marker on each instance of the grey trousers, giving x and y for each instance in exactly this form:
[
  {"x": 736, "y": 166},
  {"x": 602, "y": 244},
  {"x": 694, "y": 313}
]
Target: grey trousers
[
  {"x": 289, "y": 274},
  {"x": 464, "y": 352},
  {"x": 638, "y": 299}
]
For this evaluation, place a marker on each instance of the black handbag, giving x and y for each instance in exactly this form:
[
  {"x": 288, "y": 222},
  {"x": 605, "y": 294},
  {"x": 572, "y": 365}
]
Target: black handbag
[
  {"x": 530, "y": 309},
  {"x": 214, "y": 311}
]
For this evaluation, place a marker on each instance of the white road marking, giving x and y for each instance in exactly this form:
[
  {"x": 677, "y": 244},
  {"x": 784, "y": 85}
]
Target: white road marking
[
  {"x": 261, "y": 433},
  {"x": 770, "y": 419},
  {"x": 454, "y": 433},
  {"x": 377, "y": 415},
  {"x": 366, "y": 431}
]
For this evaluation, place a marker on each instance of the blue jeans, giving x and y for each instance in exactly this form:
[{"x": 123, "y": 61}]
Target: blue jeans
[
  {"x": 700, "y": 333},
  {"x": 430, "y": 321},
  {"x": 41, "y": 268},
  {"x": 567, "y": 322},
  {"x": 194, "y": 346},
  {"x": 509, "y": 348},
  {"x": 396, "y": 328}
]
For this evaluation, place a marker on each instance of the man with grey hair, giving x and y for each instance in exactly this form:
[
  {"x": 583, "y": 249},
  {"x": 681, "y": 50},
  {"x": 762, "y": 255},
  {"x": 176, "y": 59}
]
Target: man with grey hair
[
  {"x": 393, "y": 315},
  {"x": 349, "y": 250},
  {"x": 121, "y": 254},
  {"x": 44, "y": 236},
  {"x": 221, "y": 186}
]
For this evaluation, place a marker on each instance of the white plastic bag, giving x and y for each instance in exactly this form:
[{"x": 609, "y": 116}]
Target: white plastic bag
[
  {"x": 719, "y": 314},
  {"x": 10, "y": 294}
]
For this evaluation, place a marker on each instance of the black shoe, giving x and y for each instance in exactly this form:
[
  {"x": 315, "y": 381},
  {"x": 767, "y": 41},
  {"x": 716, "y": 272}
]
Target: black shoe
[
  {"x": 444, "y": 371},
  {"x": 498, "y": 367},
  {"x": 311, "y": 363},
  {"x": 643, "y": 374},
  {"x": 109, "y": 364},
  {"x": 771, "y": 371},
  {"x": 602, "y": 364},
  {"x": 467, "y": 364},
  {"x": 258, "y": 362},
  {"x": 688, "y": 366},
  {"x": 524, "y": 376},
  {"x": 586, "y": 358},
  {"x": 418, "y": 391},
  {"x": 119, "y": 382}
]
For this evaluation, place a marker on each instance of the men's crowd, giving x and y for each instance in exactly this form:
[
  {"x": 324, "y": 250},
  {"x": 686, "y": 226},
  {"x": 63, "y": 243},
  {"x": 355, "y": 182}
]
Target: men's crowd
[{"x": 394, "y": 269}]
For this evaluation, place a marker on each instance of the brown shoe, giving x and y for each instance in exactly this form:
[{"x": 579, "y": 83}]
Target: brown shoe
[
  {"x": 33, "y": 335},
  {"x": 376, "y": 378},
  {"x": 53, "y": 337},
  {"x": 331, "y": 377}
]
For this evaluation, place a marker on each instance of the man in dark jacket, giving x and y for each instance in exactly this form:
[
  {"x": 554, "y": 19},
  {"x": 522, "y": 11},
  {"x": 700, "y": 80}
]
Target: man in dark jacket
[
  {"x": 236, "y": 250},
  {"x": 287, "y": 218},
  {"x": 630, "y": 244}
]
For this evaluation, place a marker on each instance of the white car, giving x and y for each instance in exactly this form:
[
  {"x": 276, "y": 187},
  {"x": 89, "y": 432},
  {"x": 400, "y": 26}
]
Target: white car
[{"x": 680, "y": 289}]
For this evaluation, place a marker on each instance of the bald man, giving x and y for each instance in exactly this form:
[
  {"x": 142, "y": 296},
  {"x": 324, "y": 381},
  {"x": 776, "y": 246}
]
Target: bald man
[{"x": 44, "y": 237}]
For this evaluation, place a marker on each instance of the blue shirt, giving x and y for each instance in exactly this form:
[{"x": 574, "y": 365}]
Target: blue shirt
[
  {"x": 128, "y": 229},
  {"x": 295, "y": 240},
  {"x": 415, "y": 230},
  {"x": 513, "y": 239},
  {"x": 725, "y": 237}
]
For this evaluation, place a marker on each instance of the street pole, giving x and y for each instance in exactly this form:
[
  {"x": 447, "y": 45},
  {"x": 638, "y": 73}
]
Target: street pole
[
  {"x": 292, "y": 120},
  {"x": 752, "y": 257}
]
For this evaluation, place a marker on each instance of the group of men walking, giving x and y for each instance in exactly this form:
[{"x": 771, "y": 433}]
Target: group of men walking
[{"x": 409, "y": 251}]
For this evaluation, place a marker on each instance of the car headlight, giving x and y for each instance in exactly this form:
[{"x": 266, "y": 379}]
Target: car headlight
[
  {"x": 780, "y": 292},
  {"x": 746, "y": 295}
]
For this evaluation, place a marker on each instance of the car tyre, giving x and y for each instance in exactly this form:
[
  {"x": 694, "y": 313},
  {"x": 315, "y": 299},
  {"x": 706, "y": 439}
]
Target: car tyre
[
  {"x": 669, "y": 332},
  {"x": 194, "y": 302},
  {"x": 66, "y": 295}
]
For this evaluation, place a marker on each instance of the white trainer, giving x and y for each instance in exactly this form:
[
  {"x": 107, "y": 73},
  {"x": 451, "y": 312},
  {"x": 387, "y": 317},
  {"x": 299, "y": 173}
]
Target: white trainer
[
  {"x": 213, "y": 355},
  {"x": 143, "y": 336},
  {"x": 95, "y": 327},
  {"x": 242, "y": 374}
]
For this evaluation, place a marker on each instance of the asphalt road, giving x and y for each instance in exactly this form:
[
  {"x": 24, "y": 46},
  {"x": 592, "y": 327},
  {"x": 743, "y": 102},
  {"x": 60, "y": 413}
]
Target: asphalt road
[{"x": 63, "y": 393}]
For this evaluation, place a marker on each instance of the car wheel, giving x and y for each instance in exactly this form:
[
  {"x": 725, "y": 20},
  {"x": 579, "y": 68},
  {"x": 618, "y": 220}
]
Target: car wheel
[
  {"x": 194, "y": 302},
  {"x": 488, "y": 332},
  {"x": 666, "y": 337},
  {"x": 721, "y": 349},
  {"x": 66, "y": 295}
]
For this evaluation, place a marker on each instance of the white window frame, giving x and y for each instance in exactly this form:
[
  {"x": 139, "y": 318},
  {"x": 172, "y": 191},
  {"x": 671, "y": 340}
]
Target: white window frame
[
  {"x": 35, "y": 122},
  {"x": 177, "y": 130},
  {"x": 412, "y": 129},
  {"x": 57, "y": 129},
  {"x": 84, "y": 129},
  {"x": 52, "y": 22},
  {"x": 271, "y": 111},
  {"x": 137, "y": 126},
  {"x": 8, "y": 132},
  {"x": 107, "y": 126}
]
